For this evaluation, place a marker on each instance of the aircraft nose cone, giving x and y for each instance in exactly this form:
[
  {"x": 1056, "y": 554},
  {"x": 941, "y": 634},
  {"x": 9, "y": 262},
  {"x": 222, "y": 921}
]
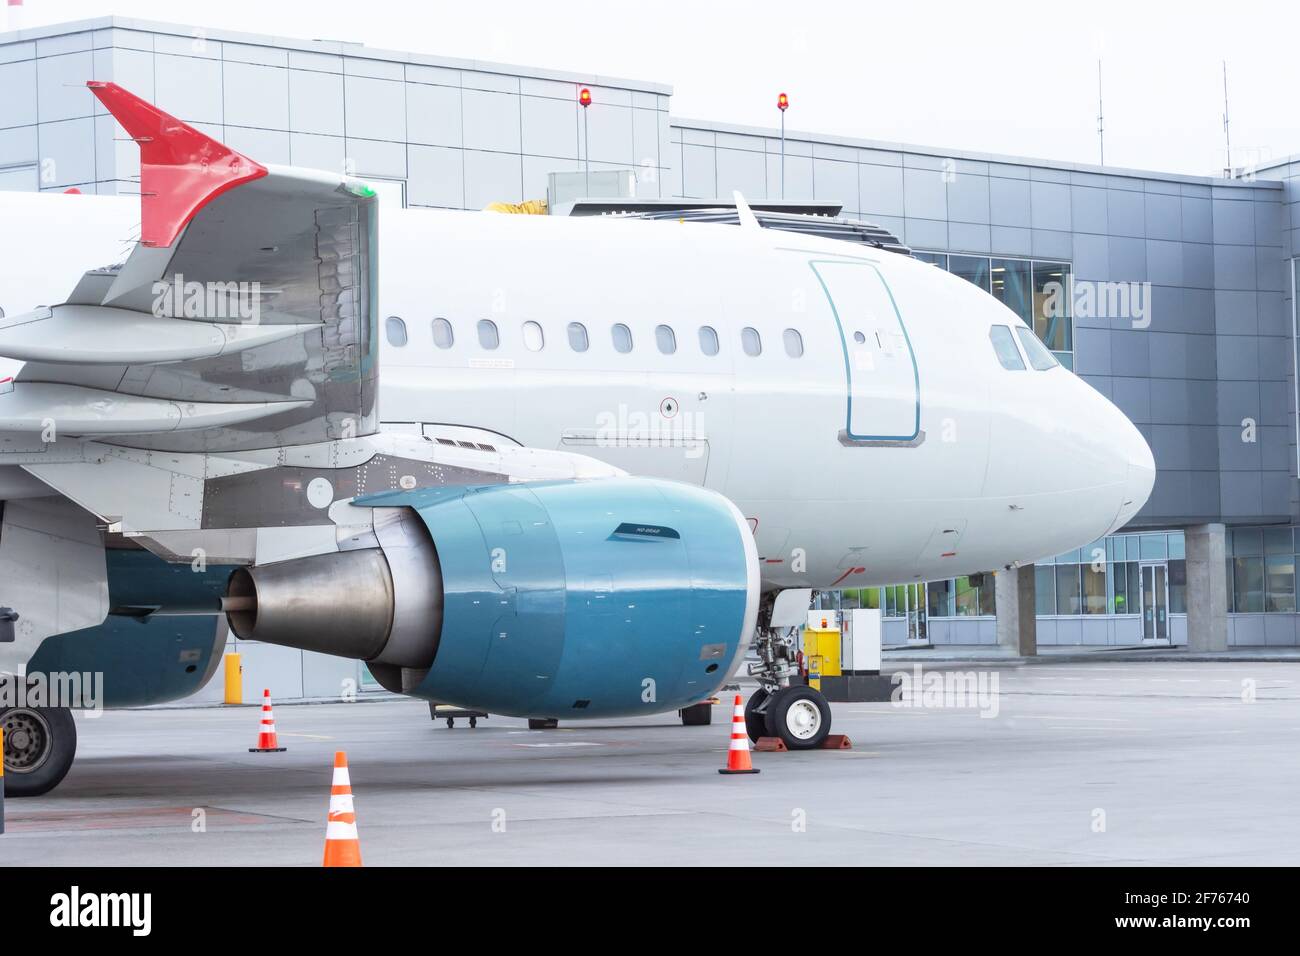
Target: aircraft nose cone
[{"x": 1134, "y": 451}]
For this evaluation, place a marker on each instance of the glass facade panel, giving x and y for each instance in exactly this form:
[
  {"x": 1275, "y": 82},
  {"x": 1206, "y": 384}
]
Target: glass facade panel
[
  {"x": 1132, "y": 571},
  {"x": 1177, "y": 586},
  {"x": 1044, "y": 590},
  {"x": 1248, "y": 584},
  {"x": 938, "y": 598},
  {"x": 1119, "y": 602},
  {"x": 1277, "y": 541},
  {"x": 1068, "y": 597},
  {"x": 1094, "y": 588},
  {"x": 968, "y": 598},
  {"x": 974, "y": 269},
  {"x": 1279, "y": 582},
  {"x": 1052, "y": 321},
  {"x": 1154, "y": 547},
  {"x": 1247, "y": 541},
  {"x": 1011, "y": 285}
]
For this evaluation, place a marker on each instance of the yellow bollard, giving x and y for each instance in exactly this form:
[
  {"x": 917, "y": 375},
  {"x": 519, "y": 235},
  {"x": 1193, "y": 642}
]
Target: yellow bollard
[{"x": 234, "y": 680}]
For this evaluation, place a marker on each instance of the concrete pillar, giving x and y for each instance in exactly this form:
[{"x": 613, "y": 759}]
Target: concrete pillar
[
  {"x": 1017, "y": 622},
  {"x": 1207, "y": 588}
]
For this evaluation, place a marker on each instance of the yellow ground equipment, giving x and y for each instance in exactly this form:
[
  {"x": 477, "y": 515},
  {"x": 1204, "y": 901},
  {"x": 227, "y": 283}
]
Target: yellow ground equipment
[
  {"x": 234, "y": 679},
  {"x": 821, "y": 651}
]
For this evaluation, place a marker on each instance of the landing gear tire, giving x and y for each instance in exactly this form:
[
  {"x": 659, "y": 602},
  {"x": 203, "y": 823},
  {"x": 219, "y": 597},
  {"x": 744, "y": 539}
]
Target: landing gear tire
[
  {"x": 543, "y": 723},
  {"x": 697, "y": 715},
  {"x": 756, "y": 723},
  {"x": 40, "y": 744},
  {"x": 800, "y": 716}
]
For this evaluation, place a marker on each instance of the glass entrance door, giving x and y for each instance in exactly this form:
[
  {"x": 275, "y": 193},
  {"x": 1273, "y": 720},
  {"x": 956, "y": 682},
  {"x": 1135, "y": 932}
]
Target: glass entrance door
[{"x": 1155, "y": 603}]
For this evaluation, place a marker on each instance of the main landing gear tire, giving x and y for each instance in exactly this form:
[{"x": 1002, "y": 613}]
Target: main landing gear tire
[
  {"x": 800, "y": 716},
  {"x": 697, "y": 715},
  {"x": 40, "y": 744},
  {"x": 543, "y": 723},
  {"x": 756, "y": 723}
]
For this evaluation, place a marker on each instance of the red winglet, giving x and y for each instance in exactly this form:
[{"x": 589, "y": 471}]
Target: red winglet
[{"x": 181, "y": 169}]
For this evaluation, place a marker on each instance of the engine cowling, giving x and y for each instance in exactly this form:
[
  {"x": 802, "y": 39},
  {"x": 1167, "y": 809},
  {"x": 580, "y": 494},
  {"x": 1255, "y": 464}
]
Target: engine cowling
[{"x": 599, "y": 598}]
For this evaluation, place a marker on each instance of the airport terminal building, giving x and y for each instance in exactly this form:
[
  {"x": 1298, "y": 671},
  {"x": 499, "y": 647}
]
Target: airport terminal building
[{"x": 1200, "y": 353}]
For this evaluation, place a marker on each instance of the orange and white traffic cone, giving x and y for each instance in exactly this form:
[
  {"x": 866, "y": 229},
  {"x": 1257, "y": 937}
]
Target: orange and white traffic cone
[
  {"x": 267, "y": 741},
  {"x": 342, "y": 846},
  {"x": 738, "y": 753}
]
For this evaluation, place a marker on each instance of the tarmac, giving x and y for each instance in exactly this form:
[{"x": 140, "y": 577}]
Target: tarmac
[{"x": 1058, "y": 763}]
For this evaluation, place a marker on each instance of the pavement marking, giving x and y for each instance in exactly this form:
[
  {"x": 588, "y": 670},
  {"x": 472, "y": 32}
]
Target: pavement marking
[
  {"x": 1117, "y": 720},
  {"x": 564, "y": 743}
]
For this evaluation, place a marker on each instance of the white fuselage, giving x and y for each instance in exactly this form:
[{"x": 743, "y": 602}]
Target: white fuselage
[{"x": 911, "y": 454}]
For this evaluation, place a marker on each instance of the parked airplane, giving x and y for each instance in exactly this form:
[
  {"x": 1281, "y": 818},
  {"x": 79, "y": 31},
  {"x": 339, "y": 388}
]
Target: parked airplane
[{"x": 598, "y": 450}]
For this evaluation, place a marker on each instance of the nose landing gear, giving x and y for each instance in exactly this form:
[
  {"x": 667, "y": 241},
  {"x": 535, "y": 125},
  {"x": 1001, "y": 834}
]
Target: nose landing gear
[{"x": 796, "y": 713}]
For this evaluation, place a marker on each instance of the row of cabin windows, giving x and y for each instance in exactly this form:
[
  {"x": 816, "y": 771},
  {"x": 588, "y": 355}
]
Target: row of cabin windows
[{"x": 489, "y": 337}]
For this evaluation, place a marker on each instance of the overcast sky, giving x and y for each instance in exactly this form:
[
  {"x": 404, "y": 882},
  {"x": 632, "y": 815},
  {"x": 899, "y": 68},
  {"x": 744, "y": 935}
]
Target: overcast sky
[{"x": 1003, "y": 77}]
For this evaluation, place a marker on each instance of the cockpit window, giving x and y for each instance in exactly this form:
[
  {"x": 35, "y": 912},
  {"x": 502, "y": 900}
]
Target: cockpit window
[
  {"x": 1005, "y": 347},
  {"x": 1039, "y": 355}
]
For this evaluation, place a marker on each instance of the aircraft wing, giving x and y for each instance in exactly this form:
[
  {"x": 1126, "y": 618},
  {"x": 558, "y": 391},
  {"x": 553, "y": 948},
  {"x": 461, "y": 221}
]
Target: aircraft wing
[{"x": 244, "y": 318}]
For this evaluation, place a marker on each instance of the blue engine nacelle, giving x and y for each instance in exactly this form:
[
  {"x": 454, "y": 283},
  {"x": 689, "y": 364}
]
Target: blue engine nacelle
[{"x": 592, "y": 598}]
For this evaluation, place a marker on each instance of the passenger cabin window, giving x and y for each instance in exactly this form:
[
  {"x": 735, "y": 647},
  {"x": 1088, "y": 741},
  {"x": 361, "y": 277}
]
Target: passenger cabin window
[
  {"x": 708, "y": 340},
  {"x": 666, "y": 339},
  {"x": 442, "y": 334},
  {"x": 488, "y": 336},
  {"x": 533, "y": 337},
  {"x": 578, "y": 337},
  {"x": 1039, "y": 355},
  {"x": 395, "y": 329},
  {"x": 793, "y": 343},
  {"x": 622, "y": 337},
  {"x": 1005, "y": 347},
  {"x": 750, "y": 341}
]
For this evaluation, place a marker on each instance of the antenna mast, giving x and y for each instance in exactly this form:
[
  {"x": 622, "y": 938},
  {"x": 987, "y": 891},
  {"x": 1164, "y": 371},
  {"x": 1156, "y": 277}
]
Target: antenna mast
[
  {"x": 1227, "y": 139},
  {"x": 1101, "y": 123}
]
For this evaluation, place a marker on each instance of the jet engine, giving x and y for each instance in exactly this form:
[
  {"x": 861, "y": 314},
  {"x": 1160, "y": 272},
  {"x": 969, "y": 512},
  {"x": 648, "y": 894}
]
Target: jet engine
[{"x": 597, "y": 598}]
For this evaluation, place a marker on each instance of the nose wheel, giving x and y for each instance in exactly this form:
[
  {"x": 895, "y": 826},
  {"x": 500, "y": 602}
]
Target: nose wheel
[
  {"x": 39, "y": 746},
  {"x": 799, "y": 715}
]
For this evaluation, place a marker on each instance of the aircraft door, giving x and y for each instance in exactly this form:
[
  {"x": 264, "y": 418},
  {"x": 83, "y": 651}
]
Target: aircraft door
[{"x": 882, "y": 379}]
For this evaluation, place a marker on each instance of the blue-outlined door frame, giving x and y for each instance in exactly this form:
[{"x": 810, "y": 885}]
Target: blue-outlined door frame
[{"x": 857, "y": 403}]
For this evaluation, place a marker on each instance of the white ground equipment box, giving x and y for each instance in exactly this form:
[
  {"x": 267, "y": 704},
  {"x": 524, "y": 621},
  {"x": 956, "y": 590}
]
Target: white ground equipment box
[{"x": 861, "y": 634}]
